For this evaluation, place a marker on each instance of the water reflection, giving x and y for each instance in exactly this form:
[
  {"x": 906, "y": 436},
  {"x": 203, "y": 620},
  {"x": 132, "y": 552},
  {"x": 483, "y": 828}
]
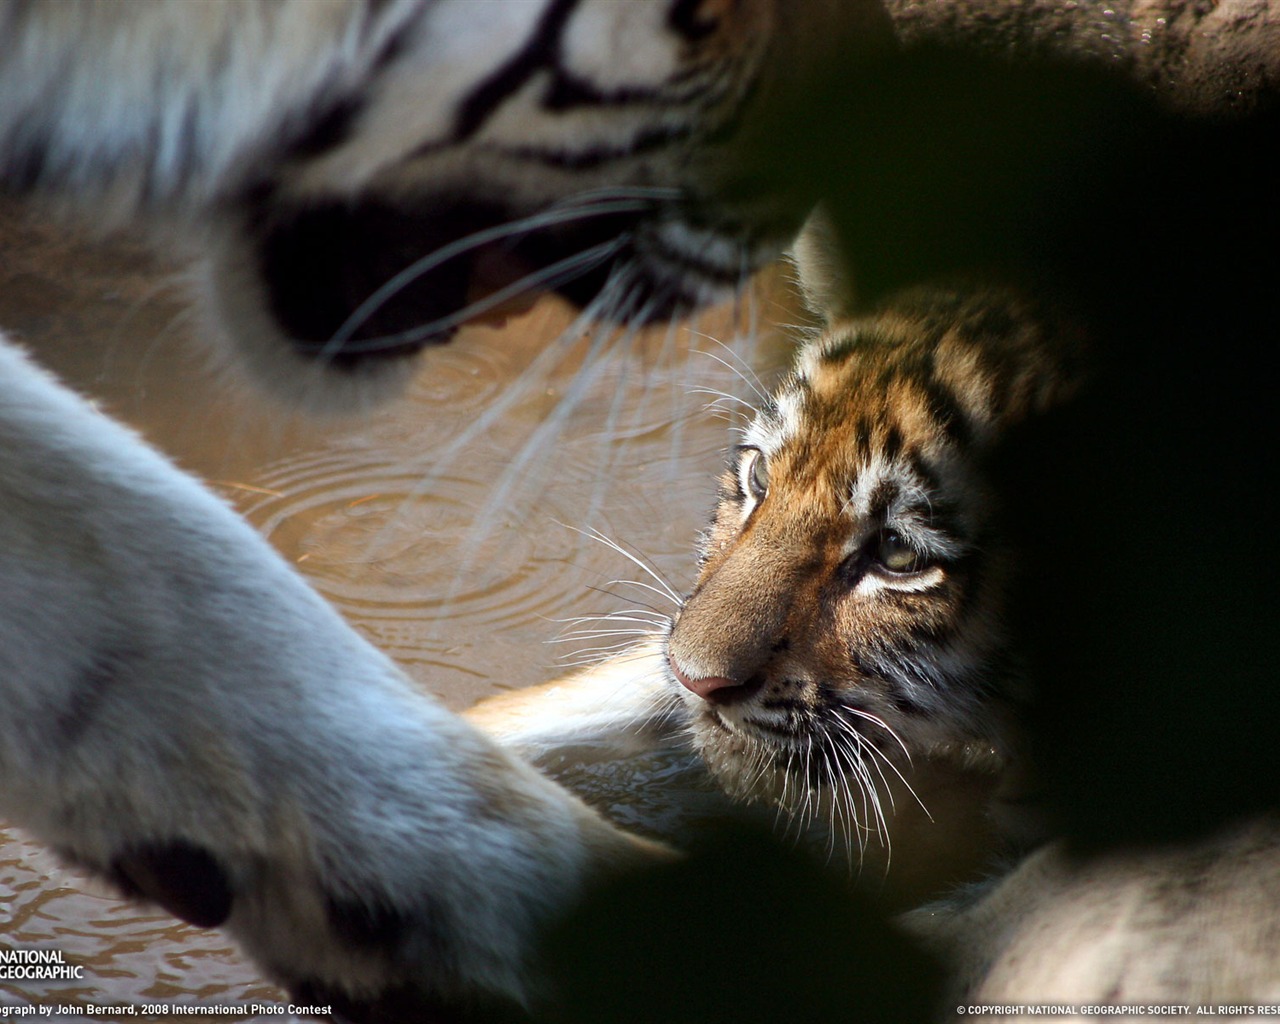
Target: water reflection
[{"x": 447, "y": 533}]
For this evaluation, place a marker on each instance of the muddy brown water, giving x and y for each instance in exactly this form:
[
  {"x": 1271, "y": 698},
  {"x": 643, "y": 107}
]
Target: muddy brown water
[{"x": 444, "y": 524}]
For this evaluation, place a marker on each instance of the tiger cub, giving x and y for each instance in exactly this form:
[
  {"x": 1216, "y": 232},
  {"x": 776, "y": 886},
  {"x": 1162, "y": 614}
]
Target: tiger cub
[{"x": 841, "y": 655}]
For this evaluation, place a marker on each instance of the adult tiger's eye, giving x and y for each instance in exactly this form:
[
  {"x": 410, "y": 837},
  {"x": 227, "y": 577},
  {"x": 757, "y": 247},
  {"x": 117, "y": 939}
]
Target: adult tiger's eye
[
  {"x": 897, "y": 555},
  {"x": 695, "y": 19},
  {"x": 753, "y": 473}
]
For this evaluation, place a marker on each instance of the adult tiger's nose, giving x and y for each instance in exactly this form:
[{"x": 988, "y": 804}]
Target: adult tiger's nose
[{"x": 713, "y": 689}]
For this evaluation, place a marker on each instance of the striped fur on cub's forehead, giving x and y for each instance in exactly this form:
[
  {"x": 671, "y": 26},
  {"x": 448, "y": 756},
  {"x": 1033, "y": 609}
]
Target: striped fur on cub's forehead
[{"x": 936, "y": 366}]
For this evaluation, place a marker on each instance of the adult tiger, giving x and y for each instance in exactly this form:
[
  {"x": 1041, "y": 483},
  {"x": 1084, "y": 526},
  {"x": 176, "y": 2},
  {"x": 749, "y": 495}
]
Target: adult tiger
[
  {"x": 152, "y": 649},
  {"x": 477, "y": 151},
  {"x": 150, "y": 644}
]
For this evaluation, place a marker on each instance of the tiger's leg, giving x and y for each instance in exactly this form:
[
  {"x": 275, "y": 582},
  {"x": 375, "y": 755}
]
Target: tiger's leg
[
  {"x": 617, "y": 735},
  {"x": 186, "y": 718},
  {"x": 625, "y": 703}
]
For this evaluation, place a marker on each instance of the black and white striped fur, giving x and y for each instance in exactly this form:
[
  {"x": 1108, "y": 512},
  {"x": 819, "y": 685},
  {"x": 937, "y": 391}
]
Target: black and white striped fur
[{"x": 182, "y": 715}]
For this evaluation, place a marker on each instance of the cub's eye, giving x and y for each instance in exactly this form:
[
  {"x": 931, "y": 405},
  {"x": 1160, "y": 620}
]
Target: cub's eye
[
  {"x": 753, "y": 473},
  {"x": 896, "y": 555}
]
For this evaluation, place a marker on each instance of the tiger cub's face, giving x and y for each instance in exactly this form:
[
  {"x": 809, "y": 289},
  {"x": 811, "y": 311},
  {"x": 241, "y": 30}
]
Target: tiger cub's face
[{"x": 845, "y": 624}]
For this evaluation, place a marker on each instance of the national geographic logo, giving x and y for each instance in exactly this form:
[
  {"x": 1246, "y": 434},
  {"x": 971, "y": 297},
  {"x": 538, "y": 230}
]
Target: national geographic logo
[{"x": 37, "y": 965}]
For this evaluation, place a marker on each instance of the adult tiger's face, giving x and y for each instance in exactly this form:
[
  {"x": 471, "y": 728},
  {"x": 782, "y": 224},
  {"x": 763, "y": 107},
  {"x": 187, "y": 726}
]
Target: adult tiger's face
[{"x": 588, "y": 147}]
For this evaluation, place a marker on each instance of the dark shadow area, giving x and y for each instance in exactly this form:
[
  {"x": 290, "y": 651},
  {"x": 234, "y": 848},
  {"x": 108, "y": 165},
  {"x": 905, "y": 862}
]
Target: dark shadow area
[
  {"x": 744, "y": 931},
  {"x": 1145, "y": 608},
  {"x": 1146, "y": 600}
]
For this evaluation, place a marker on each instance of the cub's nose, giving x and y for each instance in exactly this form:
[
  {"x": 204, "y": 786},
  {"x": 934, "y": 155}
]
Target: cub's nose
[{"x": 714, "y": 689}]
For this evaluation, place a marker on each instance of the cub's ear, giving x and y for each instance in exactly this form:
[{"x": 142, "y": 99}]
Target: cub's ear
[{"x": 822, "y": 271}]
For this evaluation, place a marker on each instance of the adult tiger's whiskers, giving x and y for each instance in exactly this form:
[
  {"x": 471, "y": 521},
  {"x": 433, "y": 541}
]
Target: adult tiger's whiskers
[{"x": 587, "y": 205}]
